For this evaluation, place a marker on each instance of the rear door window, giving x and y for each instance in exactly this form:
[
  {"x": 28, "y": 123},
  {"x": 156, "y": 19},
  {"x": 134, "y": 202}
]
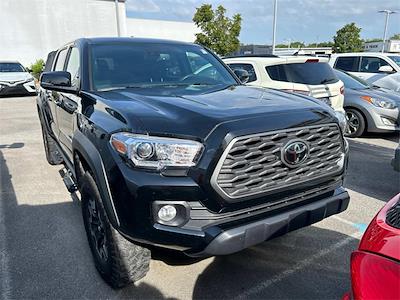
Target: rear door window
[
  {"x": 372, "y": 64},
  {"x": 347, "y": 63},
  {"x": 62, "y": 55},
  {"x": 312, "y": 73},
  {"x": 248, "y": 67},
  {"x": 73, "y": 66}
]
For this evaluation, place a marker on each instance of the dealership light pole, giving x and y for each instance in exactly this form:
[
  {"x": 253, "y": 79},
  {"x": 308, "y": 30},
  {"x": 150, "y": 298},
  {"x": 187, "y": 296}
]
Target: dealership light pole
[
  {"x": 117, "y": 17},
  {"x": 274, "y": 26},
  {"x": 388, "y": 13}
]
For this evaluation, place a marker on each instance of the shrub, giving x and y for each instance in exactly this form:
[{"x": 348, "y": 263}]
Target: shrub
[{"x": 37, "y": 68}]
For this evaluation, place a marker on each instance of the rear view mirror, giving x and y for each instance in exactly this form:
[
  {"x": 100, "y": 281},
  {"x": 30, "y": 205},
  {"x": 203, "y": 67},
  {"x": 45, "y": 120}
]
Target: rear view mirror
[
  {"x": 386, "y": 69},
  {"x": 57, "y": 81},
  {"x": 242, "y": 74}
]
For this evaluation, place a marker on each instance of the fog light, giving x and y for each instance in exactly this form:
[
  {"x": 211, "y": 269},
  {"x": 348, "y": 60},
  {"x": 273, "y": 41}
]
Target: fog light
[
  {"x": 388, "y": 122},
  {"x": 167, "y": 213}
]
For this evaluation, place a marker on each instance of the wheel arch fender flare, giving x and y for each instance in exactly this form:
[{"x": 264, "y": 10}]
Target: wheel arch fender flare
[{"x": 81, "y": 144}]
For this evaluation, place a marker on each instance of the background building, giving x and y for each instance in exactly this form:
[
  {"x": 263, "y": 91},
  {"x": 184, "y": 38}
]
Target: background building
[
  {"x": 29, "y": 29},
  {"x": 267, "y": 49},
  {"x": 390, "y": 46}
]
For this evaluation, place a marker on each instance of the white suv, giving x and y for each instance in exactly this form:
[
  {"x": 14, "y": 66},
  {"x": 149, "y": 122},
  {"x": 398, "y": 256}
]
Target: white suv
[
  {"x": 367, "y": 65},
  {"x": 306, "y": 75}
]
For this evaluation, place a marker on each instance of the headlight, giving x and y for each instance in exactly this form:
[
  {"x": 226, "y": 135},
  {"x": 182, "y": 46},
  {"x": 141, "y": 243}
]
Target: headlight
[
  {"x": 379, "y": 102},
  {"x": 342, "y": 120},
  {"x": 156, "y": 152}
]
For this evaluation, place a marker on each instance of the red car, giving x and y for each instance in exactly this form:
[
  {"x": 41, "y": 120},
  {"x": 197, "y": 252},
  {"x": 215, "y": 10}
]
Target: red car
[{"x": 375, "y": 266}]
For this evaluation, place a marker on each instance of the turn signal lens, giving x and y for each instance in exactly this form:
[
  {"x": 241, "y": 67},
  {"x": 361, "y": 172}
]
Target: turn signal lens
[
  {"x": 367, "y": 98},
  {"x": 119, "y": 146}
]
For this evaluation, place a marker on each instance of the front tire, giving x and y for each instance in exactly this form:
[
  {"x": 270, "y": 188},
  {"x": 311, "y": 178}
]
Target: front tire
[
  {"x": 118, "y": 261},
  {"x": 355, "y": 123}
]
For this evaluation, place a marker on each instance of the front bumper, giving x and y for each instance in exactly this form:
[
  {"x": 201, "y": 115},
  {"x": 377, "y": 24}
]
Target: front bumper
[
  {"x": 25, "y": 88},
  {"x": 136, "y": 194},
  {"x": 238, "y": 238},
  {"x": 383, "y": 120}
]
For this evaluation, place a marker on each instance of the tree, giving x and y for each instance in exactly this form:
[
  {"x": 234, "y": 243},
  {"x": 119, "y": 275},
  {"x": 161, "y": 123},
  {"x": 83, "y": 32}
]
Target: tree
[
  {"x": 373, "y": 40},
  {"x": 219, "y": 32},
  {"x": 395, "y": 37},
  {"x": 347, "y": 39},
  {"x": 37, "y": 68}
]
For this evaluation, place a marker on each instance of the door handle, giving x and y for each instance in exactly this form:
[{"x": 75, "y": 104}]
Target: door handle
[{"x": 58, "y": 102}]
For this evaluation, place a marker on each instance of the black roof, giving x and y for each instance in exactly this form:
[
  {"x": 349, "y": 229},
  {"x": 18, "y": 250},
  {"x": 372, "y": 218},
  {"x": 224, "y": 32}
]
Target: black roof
[
  {"x": 251, "y": 55},
  {"x": 107, "y": 40}
]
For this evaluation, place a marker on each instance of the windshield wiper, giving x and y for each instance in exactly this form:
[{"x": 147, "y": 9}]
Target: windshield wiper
[{"x": 120, "y": 88}]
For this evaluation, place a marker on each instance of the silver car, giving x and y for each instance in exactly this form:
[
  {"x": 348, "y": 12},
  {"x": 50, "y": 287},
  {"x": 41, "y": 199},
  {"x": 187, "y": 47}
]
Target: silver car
[{"x": 368, "y": 108}]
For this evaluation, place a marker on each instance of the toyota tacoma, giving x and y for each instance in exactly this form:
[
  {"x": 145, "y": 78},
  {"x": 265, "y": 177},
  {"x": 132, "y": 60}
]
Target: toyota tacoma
[{"x": 168, "y": 148}]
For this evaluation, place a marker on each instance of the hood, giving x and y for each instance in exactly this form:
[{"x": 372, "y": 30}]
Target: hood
[
  {"x": 391, "y": 82},
  {"x": 197, "y": 115},
  {"x": 14, "y": 76}
]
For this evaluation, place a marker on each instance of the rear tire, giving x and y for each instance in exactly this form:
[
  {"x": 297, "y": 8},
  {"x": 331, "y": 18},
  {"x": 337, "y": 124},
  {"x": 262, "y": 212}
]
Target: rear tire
[
  {"x": 355, "y": 123},
  {"x": 53, "y": 156},
  {"x": 118, "y": 261}
]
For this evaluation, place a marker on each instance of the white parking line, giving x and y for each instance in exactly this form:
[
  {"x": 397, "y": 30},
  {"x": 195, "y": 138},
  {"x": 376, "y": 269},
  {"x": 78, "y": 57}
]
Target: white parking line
[{"x": 297, "y": 267}]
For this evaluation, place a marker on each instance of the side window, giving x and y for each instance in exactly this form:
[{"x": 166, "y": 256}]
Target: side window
[
  {"x": 372, "y": 64},
  {"x": 277, "y": 73},
  {"x": 73, "y": 66},
  {"x": 61, "y": 60},
  {"x": 248, "y": 67},
  {"x": 347, "y": 63}
]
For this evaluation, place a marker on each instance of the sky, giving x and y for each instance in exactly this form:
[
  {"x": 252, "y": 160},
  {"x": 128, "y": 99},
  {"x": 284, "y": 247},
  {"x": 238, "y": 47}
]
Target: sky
[{"x": 300, "y": 20}]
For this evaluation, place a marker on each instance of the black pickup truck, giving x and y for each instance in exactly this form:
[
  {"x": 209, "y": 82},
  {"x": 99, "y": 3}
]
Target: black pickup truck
[{"x": 168, "y": 148}]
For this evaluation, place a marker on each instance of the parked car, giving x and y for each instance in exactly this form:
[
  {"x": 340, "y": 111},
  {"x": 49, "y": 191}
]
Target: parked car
[
  {"x": 367, "y": 65},
  {"x": 15, "y": 79},
  {"x": 375, "y": 267},
  {"x": 311, "y": 76},
  {"x": 368, "y": 109},
  {"x": 197, "y": 163}
]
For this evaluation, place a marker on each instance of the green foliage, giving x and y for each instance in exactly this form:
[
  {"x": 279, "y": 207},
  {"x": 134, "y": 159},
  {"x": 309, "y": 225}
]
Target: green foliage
[
  {"x": 395, "y": 37},
  {"x": 373, "y": 40},
  {"x": 347, "y": 39},
  {"x": 219, "y": 32},
  {"x": 302, "y": 45},
  {"x": 37, "y": 68}
]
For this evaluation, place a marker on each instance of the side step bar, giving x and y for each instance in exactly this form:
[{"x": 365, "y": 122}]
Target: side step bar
[{"x": 68, "y": 180}]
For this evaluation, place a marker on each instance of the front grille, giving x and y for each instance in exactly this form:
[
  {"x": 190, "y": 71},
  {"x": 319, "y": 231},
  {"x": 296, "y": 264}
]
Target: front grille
[
  {"x": 252, "y": 165},
  {"x": 393, "y": 216}
]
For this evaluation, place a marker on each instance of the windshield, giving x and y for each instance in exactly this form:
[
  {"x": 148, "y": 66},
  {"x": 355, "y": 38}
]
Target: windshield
[
  {"x": 396, "y": 59},
  {"x": 147, "y": 65},
  {"x": 313, "y": 73},
  {"x": 11, "y": 67},
  {"x": 351, "y": 82}
]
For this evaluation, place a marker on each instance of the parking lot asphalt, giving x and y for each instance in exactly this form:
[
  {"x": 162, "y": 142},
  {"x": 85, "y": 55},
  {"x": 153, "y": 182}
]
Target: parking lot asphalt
[{"x": 44, "y": 252}]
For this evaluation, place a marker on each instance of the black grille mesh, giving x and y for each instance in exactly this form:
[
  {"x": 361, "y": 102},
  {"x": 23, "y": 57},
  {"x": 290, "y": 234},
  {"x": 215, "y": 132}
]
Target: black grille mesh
[
  {"x": 393, "y": 216},
  {"x": 253, "y": 163}
]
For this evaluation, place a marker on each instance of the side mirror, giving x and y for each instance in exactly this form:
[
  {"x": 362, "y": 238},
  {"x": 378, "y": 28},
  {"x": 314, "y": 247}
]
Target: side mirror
[
  {"x": 243, "y": 75},
  {"x": 57, "y": 81},
  {"x": 386, "y": 69}
]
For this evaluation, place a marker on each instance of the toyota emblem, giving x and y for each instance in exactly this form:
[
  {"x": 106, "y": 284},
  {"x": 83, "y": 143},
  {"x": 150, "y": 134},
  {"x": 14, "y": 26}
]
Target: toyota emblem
[{"x": 294, "y": 153}]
